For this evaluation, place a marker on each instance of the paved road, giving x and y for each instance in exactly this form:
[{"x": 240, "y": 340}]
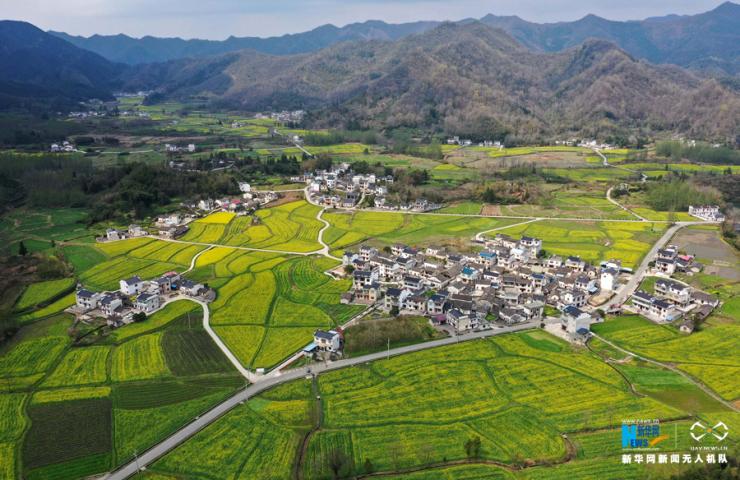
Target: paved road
[
  {"x": 235, "y": 247},
  {"x": 325, "y": 247},
  {"x": 478, "y": 215},
  {"x": 199, "y": 423},
  {"x": 627, "y": 289},
  {"x": 706, "y": 389}
]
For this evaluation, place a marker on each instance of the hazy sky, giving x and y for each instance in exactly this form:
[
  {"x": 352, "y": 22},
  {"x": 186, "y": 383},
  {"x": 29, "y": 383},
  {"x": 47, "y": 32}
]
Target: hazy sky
[{"x": 217, "y": 19}]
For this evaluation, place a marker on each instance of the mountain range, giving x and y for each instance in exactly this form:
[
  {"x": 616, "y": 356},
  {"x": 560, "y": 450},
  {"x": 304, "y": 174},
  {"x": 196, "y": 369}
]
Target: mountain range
[
  {"x": 465, "y": 78},
  {"x": 469, "y": 78},
  {"x": 36, "y": 67},
  {"x": 709, "y": 41}
]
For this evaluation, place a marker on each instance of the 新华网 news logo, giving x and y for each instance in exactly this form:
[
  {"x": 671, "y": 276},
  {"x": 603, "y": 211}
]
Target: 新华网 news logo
[{"x": 641, "y": 434}]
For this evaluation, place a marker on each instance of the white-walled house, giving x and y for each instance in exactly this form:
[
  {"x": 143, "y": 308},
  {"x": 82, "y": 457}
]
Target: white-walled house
[
  {"x": 147, "y": 302},
  {"x": 87, "y": 300},
  {"x": 327, "y": 341},
  {"x": 132, "y": 286}
]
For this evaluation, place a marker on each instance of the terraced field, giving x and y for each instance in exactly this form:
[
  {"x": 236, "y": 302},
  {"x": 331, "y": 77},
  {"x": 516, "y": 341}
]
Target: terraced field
[
  {"x": 288, "y": 227},
  {"x": 268, "y": 306},
  {"x": 421, "y": 408}
]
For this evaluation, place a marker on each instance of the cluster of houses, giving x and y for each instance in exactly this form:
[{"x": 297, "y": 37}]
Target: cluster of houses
[
  {"x": 507, "y": 280},
  {"x": 170, "y": 148},
  {"x": 135, "y": 296},
  {"x": 670, "y": 260},
  {"x": 249, "y": 201},
  {"x": 671, "y": 299},
  {"x": 341, "y": 187},
  {"x": 709, "y": 213},
  {"x": 294, "y": 116},
  {"x": 63, "y": 147},
  {"x": 167, "y": 226},
  {"x": 467, "y": 142}
]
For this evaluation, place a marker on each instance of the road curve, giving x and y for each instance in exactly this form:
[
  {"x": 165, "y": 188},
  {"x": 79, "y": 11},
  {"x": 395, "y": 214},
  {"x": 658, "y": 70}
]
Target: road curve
[{"x": 202, "y": 421}]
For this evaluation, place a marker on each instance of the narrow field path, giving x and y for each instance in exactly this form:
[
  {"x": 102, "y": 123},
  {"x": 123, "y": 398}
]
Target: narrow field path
[
  {"x": 479, "y": 236},
  {"x": 688, "y": 377},
  {"x": 609, "y": 197},
  {"x": 325, "y": 250},
  {"x": 195, "y": 259},
  {"x": 235, "y": 247}
]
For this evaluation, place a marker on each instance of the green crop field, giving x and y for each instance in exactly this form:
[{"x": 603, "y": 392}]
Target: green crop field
[
  {"x": 42, "y": 292},
  {"x": 703, "y": 354},
  {"x": 37, "y": 228},
  {"x": 80, "y": 366},
  {"x": 419, "y": 409},
  {"x": 384, "y": 228},
  {"x": 89, "y": 408}
]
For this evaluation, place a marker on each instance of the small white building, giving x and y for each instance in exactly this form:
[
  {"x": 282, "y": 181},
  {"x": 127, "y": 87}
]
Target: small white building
[
  {"x": 87, "y": 300},
  {"x": 110, "y": 303},
  {"x": 132, "y": 286},
  {"x": 329, "y": 341},
  {"x": 245, "y": 187},
  {"x": 147, "y": 302},
  {"x": 608, "y": 280}
]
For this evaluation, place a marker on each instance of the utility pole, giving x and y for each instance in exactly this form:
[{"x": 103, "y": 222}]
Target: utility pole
[
  {"x": 388, "y": 356},
  {"x": 136, "y": 458}
]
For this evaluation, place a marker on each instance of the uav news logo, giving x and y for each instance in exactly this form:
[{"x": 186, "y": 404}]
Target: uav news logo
[{"x": 719, "y": 431}]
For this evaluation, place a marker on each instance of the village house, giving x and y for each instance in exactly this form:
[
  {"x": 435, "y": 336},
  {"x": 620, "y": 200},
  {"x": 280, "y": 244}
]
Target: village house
[
  {"x": 146, "y": 302},
  {"x": 330, "y": 341},
  {"x": 132, "y": 286},
  {"x": 654, "y": 308},
  {"x": 87, "y": 300},
  {"x": 710, "y": 213},
  {"x": 110, "y": 304},
  {"x": 191, "y": 288},
  {"x": 674, "y": 291}
]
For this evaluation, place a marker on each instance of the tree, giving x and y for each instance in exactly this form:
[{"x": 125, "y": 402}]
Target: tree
[
  {"x": 22, "y": 250},
  {"x": 472, "y": 447},
  {"x": 337, "y": 461},
  {"x": 139, "y": 317}
]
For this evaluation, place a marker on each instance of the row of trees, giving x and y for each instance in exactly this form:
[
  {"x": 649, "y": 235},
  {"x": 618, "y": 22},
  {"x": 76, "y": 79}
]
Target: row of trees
[{"x": 701, "y": 152}]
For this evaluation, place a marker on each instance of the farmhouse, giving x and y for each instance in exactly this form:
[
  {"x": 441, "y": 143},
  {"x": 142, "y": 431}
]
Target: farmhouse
[
  {"x": 87, "y": 300},
  {"x": 132, "y": 286},
  {"x": 330, "y": 341},
  {"x": 147, "y": 302}
]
